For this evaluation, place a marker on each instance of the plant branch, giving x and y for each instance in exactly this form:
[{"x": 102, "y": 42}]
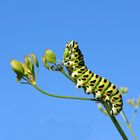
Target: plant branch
[
  {"x": 65, "y": 74},
  {"x": 128, "y": 124},
  {"x": 134, "y": 115},
  {"x": 64, "y": 97}
]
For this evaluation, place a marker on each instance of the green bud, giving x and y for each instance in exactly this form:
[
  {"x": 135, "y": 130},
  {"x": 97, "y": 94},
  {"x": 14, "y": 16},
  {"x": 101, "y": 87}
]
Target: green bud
[
  {"x": 29, "y": 74},
  {"x": 45, "y": 63},
  {"x": 123, "y": 90},
  {"x": 26, "y": 69},
  {"x": 131, "y": 102},
  {"x": 17, "y": 67},
  {"x": 50, "y": 56},
  {"x": 34, "y": 59},
  {"x": 29, "y": 63}
]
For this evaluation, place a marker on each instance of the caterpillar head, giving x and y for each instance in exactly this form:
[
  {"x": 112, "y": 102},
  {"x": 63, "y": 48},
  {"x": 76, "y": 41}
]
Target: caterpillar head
[{"x": 71, "y": 47}]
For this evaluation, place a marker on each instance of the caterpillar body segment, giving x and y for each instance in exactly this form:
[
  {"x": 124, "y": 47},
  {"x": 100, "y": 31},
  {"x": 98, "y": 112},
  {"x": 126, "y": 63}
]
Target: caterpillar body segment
[
  {"x": 101, "y": 88},
  {"x": 78, "y": 72},
  {"x": 84, "y": 78},
  {"x": 92, "y": 83}
]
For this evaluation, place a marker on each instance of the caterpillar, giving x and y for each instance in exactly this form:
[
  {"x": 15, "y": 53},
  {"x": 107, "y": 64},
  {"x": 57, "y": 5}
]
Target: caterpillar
[{"x": 100, "y": 87}]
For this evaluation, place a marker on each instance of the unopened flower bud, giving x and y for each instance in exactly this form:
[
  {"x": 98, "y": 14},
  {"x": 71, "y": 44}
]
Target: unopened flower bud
[
  {"x": 29, "y": 63},
  {"x": 50, "y": 56},
  {"x": 17, "y": 67},
  {"x": 33, "y": 57},
  {"x": 45, "y": 63},
  {"x": 123, "y": 90},
  {"x": 131, "y": 102}
]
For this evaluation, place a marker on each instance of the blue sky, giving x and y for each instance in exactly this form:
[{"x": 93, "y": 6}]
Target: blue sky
[{"x": 108, "y": 33}]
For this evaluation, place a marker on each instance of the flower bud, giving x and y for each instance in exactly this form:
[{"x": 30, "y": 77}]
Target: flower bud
[
  {"x": 29, "y": 63},
  {"x": 131, "y": 102},
  {"x": 123, "y": 90},
  {"x": 45, "y": 63},
  {"x": 34, "y": 59},
  {"x": 50, "y": 56},
  {"x": 17, "y": 67}
]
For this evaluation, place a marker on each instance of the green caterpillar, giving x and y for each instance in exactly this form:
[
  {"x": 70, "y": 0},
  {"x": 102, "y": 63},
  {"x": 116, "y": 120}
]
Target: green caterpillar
[{"x": 101, "y": 88}]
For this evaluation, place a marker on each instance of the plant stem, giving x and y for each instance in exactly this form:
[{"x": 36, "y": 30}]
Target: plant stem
[
  {"x": 65, "y": 74},
  {"x": 128, "y": 124},
  {"x": 134, "y": 115},
  {"x": 115, "y": 122},
  {"x": 64, "y": 97}
]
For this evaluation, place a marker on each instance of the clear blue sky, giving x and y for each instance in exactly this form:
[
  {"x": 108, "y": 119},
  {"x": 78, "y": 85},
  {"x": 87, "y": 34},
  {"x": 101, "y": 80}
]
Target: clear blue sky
[{"x": 108, "y": 33}]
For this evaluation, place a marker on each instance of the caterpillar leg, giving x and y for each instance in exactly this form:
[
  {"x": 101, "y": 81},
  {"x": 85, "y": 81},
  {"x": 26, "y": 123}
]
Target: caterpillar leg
[
  {"x": 117, "y": 104},
  {"x": 97, "y": 94}
]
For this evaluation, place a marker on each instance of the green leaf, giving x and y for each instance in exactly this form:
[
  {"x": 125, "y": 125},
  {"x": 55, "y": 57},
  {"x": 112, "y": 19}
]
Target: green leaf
[{"x": 50, "y": 56}]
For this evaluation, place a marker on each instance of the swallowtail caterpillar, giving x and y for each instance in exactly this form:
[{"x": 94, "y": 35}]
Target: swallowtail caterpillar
[{"x": 101, "y": 88}]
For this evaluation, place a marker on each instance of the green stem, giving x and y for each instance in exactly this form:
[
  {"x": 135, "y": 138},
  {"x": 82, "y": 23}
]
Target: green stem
[
  {"x": 115, "y": 122},
  {"x": 128, "y": 124},
  {"x": 64, "y": 97},
  {"x": 65, "y": 74},
  {"x": 134, "y": 115}
]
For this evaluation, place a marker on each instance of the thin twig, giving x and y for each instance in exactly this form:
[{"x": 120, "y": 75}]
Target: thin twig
[
  {"x": 129, "y": 125},
  {"x": 64, "y": 97}
]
